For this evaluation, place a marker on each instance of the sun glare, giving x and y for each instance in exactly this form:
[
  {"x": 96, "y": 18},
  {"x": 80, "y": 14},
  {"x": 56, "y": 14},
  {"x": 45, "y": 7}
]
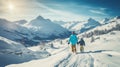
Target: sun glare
[{"x": 11, "y": 6}]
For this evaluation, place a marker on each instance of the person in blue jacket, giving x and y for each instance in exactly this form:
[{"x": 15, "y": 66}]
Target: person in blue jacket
[{"x": 73, "y": 41}]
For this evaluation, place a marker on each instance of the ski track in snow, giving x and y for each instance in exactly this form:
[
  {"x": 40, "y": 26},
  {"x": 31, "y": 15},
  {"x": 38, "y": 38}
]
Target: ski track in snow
[{"x": 85, "y": 60}]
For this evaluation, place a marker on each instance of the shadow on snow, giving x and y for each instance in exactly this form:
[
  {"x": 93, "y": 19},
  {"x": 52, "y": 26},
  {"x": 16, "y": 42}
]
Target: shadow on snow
[{"x": 97, "y": 51}]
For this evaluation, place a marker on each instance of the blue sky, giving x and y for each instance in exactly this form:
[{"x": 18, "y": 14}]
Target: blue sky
[{"x": 66, "y": 10}]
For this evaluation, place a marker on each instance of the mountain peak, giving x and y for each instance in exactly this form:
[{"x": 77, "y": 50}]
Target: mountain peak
[
  {"x": 91, "y": 20},
  {"x": 117, "y": 17},
  {"x": 105, "y": 21},
  {"x": 39, "y": 17}
]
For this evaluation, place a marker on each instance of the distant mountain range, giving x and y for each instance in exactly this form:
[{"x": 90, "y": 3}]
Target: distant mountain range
[
  {"x": 82, "y": 26},
  {"x": 109, "y": 26},
  {"x": 31, "y": 33},
  {"x": 39, "y": 29},
  {"x": 46, "y": 29}
]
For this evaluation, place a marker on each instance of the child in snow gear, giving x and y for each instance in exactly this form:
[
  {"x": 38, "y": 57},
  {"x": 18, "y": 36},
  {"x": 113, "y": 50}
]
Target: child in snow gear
[
  {"x": 73, "y": 40},
  {"x": 82, "y": 43}
]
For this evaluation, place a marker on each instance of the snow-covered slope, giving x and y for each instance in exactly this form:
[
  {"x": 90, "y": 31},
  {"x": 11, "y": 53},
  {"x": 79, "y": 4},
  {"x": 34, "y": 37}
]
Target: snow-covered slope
[
  {"x": 77, "y": 27},
  {"x": 91, "y": 23},
  {"x": 16, "y": 32},
  {"x": 103, "y": 52},
  {"x": 70, "y": 25},
  {"x": 46, "y": 29},
  {"x": 11, "y": 30},
  {"x": 12, "y": 52},
  {"x": 113, "y": 25}
]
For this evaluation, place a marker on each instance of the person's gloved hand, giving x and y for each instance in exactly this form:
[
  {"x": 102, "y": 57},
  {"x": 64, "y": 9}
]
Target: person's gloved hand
[{"x": 68, "y": 43}]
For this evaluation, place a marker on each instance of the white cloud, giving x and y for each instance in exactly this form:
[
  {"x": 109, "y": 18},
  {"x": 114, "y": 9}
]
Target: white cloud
[
  {"x": 30, "y": 9},
  {"x": 98, "y": 12},
  {"x": 55, "y": 14},
  {"x": 103, "y": 9}
]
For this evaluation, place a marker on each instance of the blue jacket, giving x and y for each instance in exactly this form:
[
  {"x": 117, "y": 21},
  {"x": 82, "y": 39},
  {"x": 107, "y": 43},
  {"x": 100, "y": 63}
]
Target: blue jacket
[{"x": 73, "y": 39}]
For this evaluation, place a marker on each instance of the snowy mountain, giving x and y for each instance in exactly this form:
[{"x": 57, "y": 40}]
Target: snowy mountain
[
  {"x": 117, "y": 17},
  {"x": 10, "y": 30},
  {"x": 70, "y": 25},
  {"x": 105, "y": 21},
  {"x": 16, "y": 32},
  {"x": 96, "y": 54},
  {"x": 91, "y": 23},
  {"x": 113, "y": 25},
  {"x": 21, "y": 22},
  {"x": 57, "y": 53},
  {"x": 12, "y": 52},
  {"x": 30, "y": 33},
  {"x": 82, "y": 26},
  {"x": 46, "y": 29}
]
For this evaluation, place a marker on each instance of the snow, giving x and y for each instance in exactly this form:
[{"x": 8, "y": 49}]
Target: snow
[
  {"x": 103, "y": 52},
  {"x": 69, "y": 25},
  {"x": 105, "y": 21},
  {"x": 21, "y": 22},
  {"x": 111, "y": 25},
  {"x": 13, "y": 31},
  {"x": 82, "y": 26},
  {"x": 45, "y": 28},
  {"x": 34, "y": 48},
  {"x": 45, "y": 62},
  {"x": 13, "y": 52},
  {"x": 31, "y": 33}
]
